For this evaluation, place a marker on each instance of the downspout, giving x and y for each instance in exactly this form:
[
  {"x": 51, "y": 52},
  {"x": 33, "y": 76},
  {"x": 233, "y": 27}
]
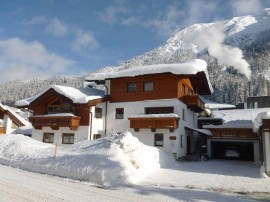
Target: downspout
[
  {"x": 106, "y": 109},
  {"x": 91, "y": 121}
]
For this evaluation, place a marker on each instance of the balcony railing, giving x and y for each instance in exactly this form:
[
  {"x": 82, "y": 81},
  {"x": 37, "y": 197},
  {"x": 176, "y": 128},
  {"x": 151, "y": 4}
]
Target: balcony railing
[
  {"x": 154, "y": 123},
  {"x": 55, "y": 122},
  {"x": 239, "y": 133},
  {"x": 193, "y": 102}
]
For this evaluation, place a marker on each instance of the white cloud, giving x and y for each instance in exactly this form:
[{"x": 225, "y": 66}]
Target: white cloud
[
  {"x": 24, "y": 60},
  {"x": 244, "y": 7},
  {"x": 84, "y": 41},
  {"x": 118, "y": 15},
  {"x": 168, "y": 25},
  {"x": 199, "y": 11},
  {"x": 36, "y": 21},
  {"x": 54, "y": 27}
]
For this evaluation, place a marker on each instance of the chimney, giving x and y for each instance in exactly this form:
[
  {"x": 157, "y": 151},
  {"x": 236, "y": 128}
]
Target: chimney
[{"x": 249, "y": 89}]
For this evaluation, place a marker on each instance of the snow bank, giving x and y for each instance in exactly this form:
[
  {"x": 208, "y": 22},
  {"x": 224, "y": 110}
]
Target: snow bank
[{"x": 117, "y": 160}]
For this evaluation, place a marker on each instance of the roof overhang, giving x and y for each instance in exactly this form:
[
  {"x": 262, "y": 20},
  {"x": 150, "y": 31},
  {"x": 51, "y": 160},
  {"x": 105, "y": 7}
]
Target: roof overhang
[{"x": 201, "y": 131}]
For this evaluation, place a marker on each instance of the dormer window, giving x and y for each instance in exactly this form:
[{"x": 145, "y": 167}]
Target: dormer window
[{"x": 148, "y": 86}]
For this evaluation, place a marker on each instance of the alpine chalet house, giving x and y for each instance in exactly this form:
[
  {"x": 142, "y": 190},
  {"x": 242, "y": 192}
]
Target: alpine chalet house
[
  {"x": 10, "y": 120},
  {"x": 66, "y": 115},
  {"x": 158, "y": 104}
]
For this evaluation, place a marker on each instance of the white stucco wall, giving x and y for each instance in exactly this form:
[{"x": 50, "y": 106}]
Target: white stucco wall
[
  {"x": 98, "y": 124},
  {"x": 7, "y": 123},
  {"x": 79, "y": 135},
  {"x": 145, "y": 135}
]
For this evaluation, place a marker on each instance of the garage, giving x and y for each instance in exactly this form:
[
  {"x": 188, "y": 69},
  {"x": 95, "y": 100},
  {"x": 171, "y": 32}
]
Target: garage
[{"x": 246, "y": 150}]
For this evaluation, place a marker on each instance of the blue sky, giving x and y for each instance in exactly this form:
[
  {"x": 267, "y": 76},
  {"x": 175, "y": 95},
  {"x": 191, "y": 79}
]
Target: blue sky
[{"x": 41, "y": 38}]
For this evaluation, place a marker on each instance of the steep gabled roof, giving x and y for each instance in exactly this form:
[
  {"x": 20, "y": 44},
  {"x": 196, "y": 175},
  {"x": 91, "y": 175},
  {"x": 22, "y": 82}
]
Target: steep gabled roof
[
  {"x": 75, "y": 95},
  {"x": 16, "y": 118},
  {"x": 196, "y": 70}
]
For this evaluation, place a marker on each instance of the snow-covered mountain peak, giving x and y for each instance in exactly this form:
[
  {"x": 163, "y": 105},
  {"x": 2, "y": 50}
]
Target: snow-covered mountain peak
[
  {"x": 178, "y": 40},
  {"x": 238, "y": 31}
]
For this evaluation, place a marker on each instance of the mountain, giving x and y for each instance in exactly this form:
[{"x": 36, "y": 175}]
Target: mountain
[{"x": 237, "y": 52}]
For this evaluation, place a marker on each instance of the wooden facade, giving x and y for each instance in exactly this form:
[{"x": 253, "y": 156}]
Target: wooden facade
[
  {"x": 73, "y": 122},
  {"x": 233, "y": 133},
  {"x": 266, "y": 124},
  {"x": 153, "y": 123},
  {"x": 165, "y": 87},
  {"x": 193, "y": 102},
  {"x": 41, "y": 105},
  {"x": 2, "y": 130}
]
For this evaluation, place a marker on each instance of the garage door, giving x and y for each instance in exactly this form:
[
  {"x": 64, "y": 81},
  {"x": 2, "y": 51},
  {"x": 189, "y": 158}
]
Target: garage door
[{"x": 245, "y": 149}]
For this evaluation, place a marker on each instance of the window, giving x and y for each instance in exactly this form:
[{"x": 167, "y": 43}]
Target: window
[
  {"x": 183, "y": 114},
  {"x": 68, "y": 138},
  {"x": 131, "y": 87},
  {"x": 60, "y": 106},
  {"x": 98, "y": 112},
  {"x": 119, "y": 113},
  {"x": 183, "y": 89},
  {"x": 159, "y": 110},
  {"x": 48, "y": 137},
  {"x": 97, "y": 136},
  {"x": 148, "y": 86},
  {"x": 158, "y": 139}
]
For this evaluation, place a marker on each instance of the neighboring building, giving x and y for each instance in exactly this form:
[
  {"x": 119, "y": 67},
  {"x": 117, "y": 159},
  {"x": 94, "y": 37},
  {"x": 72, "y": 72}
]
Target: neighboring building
[
  {"x": 157, "y": 103},
  {"x": 258, "y": 102},
  {"x": 235, "y": 128},
  {"x": 10, "y": 120},
  {"x": 66, "y": 115}
]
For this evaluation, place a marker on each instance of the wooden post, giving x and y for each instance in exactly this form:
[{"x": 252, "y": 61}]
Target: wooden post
[
  {"x": 266, "y": 149},
  {"x": 55, "y": 150}
]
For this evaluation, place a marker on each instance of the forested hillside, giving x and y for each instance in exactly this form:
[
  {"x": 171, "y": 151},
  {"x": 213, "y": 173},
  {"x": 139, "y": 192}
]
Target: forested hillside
[{"x": 16, "y": 90}]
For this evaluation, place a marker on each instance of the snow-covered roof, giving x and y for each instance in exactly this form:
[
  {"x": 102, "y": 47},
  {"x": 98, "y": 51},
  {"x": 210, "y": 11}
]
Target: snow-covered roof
[
  {"x": 12, "y": 111},
  {"x": 155, "y": 116},
  {"x": 233, "y": 124},
  {"x": 203, "y": 131},
  {"x": 56, "y": 115},
  {"x": 241, "y": 118},
  {"x": 77, "y": 95},
  {"x": 188, "y": 68},
  {"x": 215, "y": 105}
]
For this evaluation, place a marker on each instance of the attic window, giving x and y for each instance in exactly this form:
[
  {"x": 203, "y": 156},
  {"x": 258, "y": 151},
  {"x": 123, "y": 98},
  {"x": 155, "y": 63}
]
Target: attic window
[
  {"x": 148, "y": 86},
  {"x": 131, "y": 87}
]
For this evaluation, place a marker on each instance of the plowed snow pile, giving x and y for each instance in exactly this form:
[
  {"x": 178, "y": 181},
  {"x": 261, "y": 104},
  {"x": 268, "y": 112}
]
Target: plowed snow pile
[{"x": 117, "y": 160}]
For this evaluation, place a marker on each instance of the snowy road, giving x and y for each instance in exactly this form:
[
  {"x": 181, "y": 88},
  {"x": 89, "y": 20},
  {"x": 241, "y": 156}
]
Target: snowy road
[{"x": 17, "y": 185}]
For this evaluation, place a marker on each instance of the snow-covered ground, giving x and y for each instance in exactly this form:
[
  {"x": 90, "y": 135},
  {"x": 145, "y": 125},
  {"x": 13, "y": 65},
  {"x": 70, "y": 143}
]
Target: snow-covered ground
[{"x": 122, "y": 160}]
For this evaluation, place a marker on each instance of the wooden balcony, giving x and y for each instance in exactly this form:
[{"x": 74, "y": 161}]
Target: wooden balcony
[
  {"x": 193, "y": 102},
  {"x": 55, "y": 122},
  {"x": 235, "y": 133},
  {"x": 154, "y": 123}
]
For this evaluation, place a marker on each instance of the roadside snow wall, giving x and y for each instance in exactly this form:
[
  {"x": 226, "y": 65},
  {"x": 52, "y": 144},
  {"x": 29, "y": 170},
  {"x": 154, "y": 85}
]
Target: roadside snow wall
[{"x": 117, "y": 160}]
